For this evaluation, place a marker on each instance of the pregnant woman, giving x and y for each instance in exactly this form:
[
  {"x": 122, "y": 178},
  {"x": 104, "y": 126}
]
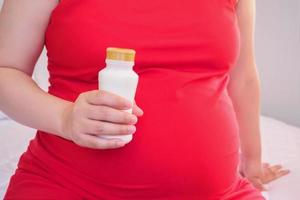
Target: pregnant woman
[{"x": 196, "y": 103}]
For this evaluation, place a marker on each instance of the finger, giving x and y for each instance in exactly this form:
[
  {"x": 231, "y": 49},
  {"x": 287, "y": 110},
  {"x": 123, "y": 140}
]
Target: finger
[
  {"x": 109, "y": 114},
  {"x": 275, "y": 168},
  {"x": 267, "y": 172},
  {"x": 283, "y": 173},
  {"x": 271, "y": 177},
  {"x": 268, "y": 175},
  {"x": 102, "y": 97},
  {"x": 106, "y": 128},
  {"x": 280, "y": 174},
  {"x": 269, "y": 168},
  {"x": 137, "y": 110},
  {"x": 95, "y": 142}
]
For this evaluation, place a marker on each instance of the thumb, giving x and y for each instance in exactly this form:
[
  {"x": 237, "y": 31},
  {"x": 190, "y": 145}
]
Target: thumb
[{"x": 137, "y": 110}]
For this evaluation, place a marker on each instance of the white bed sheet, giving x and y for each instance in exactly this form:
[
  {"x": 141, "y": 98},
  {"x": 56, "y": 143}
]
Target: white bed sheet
[
  {"x": 281, "y": 144},
  {"x": 13, "y": 142}
]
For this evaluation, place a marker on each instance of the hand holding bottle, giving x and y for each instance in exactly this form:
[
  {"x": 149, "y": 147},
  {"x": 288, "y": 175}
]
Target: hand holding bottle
[{"x": 97, "y": 113}]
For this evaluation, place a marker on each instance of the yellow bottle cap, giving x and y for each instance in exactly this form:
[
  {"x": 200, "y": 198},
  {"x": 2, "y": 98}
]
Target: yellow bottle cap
[{"x": 113, "y": 53}]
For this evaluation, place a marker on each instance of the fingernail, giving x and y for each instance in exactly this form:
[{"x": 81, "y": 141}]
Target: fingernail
[
  {"x": 120, "y": 143},
  {"x": 142, "y": 112},
  {"x": 128, "y": 104},
  {"x": 131, "y": 129},
  {"x": 133, "y": 119}
]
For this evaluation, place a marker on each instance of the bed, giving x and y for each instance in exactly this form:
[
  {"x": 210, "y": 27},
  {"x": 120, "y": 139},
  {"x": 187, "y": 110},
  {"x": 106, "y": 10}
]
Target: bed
[{"x": 281, "y": 144}]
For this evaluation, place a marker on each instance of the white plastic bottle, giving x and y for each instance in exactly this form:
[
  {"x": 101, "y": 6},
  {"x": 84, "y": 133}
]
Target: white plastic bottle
[{"x": 119, "y": 78}]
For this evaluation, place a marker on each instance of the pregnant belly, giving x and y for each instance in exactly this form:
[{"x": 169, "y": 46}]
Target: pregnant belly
[{"x": 186, "y": 142}]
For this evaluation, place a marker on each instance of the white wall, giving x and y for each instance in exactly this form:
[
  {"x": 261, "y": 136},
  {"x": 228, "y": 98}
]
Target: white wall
[{"x": 278, "y": 58}]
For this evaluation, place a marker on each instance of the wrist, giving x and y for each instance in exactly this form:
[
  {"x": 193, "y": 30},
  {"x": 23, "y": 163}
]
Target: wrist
[
  {"x": 255, "y": 162},
  {"x": 64, "y": 120},
  {"x": 251, "y": 152},
  {"x": 250, "y": 167},
  {"x": 251, "y": 158}
]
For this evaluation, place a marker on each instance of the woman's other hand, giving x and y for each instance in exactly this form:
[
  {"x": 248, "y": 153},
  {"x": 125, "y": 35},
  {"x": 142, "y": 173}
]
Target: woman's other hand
[
  {"x": 96, "y": 113},
  {"x": 272, "y": 172},
  {"x": 260, "y": 174}
]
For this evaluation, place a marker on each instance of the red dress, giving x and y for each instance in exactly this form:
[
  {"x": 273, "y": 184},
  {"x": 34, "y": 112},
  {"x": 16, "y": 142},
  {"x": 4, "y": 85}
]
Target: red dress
[{"x": 186, "y": 144}]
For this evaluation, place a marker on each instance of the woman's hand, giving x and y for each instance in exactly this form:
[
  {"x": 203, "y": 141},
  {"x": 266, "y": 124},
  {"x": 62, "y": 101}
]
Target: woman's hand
[
  {"x": 259, "y": 174},
  {"x": 99, "y": 112},
  {"x": 272, "y": 172}
]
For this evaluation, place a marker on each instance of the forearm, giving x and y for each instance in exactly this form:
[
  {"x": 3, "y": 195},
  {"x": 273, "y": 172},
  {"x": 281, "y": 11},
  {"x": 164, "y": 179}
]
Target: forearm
[
  {"x": 22, "y": 100},
  {"x": 246, "y": 101}
]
